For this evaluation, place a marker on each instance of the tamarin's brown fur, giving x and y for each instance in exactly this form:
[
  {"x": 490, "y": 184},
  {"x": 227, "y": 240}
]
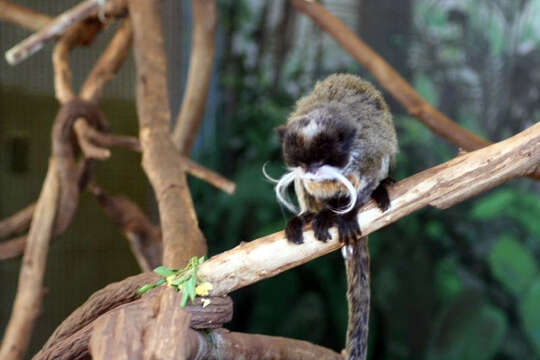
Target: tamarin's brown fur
[{"x": 339, "y": 144}]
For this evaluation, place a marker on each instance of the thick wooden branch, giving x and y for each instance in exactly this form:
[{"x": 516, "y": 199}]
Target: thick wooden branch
[
  {"x": 155, "y": 327},
  {"x": 22, "y": 16},
  {"x": 200, "y": 70},
  {"x": 182, "y": 238},
  {"x": 108, "y": 298},
  {"x": 442, "y": 186},
  {"x": 158, "y": 328},
  {"x": 233, "y": 345},
  {"x": 108, "y": 63},
  {"x": 57, "y": 27},
  {"x": 27, "y": 304},
  {"x": 141, "y": 330},
  {"x": 70, "y": 340},
  {"x": 390, "y": 79},
  {"x": 62, "y": 71}
]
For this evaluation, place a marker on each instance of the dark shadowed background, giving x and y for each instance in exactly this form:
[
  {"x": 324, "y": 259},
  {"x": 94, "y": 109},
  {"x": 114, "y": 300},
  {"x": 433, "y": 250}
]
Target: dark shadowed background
[{"x": 461, "y": 284}]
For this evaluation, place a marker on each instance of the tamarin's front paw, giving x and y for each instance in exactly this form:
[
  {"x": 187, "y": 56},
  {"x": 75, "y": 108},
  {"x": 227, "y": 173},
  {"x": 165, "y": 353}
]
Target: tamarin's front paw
[
  {"x": 380, "y": 194},
  {"x": 348, "y": 228},
  {"x": 293, "y": 230},
  {"x": 323, "y": 221}
]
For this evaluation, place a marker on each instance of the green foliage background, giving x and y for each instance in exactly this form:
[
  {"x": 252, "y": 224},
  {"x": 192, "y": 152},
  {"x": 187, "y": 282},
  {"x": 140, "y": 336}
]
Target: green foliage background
[{"x": 456, "y": 284}]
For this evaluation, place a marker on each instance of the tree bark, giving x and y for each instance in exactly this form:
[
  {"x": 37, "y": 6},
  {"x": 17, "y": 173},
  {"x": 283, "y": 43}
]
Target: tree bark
[{"x": 182, "y": 238}]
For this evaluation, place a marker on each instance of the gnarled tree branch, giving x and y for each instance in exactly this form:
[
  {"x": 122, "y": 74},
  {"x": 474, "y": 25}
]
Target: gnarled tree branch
[{"x": 182, "y": 238}]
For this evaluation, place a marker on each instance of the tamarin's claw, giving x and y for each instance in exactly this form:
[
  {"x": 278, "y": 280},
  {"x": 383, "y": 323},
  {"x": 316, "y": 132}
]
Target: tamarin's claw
[
  {"x": 323, "y": 221},
  {"x": 293, "y": 230},
  {"x": 348, "y": 228}
]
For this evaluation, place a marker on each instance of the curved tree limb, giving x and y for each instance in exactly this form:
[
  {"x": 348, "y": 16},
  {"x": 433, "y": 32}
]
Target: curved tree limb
[
  {"x": 58, "y": 27},
  {"x": 234, "y": 345},
  {"x": 27, "y": 304},
  {"x": 108, "y": 63},
  {"x": 62, "y": 71},
  {"x": 54, "y": 211},
  {"x": 22, "y": 16},
  {"x": 211, "y": 177},
  {"x": 17, "y": 223},
  {"x": 182, "y": 238},
  {"x": 390, "y": 79},
  {"x": 12, "y": 248},
  {"x": 200, "y": 70}
]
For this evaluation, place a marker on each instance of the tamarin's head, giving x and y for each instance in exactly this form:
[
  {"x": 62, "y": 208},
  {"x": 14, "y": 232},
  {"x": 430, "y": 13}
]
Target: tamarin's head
[
  {"x": 320, "y": 137},
  {"x": 316, "y": 147}
]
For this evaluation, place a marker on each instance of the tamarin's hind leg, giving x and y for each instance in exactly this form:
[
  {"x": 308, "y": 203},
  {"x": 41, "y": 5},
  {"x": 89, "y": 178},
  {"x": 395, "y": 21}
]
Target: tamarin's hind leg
[
  {"x": 293, "y": 230},
  {"x": 380, "y": 194},
  {"x": 323, "y": 221}
]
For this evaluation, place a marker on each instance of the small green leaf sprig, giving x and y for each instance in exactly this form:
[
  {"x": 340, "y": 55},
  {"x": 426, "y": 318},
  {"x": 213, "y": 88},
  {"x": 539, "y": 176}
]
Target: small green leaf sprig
[{"x": 185, "y": 280}]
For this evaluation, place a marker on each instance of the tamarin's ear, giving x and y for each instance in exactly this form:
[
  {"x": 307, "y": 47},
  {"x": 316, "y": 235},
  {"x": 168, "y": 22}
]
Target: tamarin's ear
[{"x": 280, "y": 131}]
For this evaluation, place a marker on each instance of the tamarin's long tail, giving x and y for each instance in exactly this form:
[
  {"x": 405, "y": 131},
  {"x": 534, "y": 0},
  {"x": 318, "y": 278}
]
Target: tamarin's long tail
[{"x": 358, "y": 296}]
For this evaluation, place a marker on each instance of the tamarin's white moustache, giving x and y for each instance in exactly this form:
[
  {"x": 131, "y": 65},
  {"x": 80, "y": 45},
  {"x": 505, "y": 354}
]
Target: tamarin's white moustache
[
  {"x": 325, "y": 172},
  {"x": 281, "y": 186}
]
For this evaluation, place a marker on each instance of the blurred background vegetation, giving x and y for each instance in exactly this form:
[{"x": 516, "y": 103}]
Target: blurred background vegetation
[{"x": 463, "y": 283}]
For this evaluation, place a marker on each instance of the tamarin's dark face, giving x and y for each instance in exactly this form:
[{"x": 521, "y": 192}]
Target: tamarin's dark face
[{"x": 310, "y": 143}]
